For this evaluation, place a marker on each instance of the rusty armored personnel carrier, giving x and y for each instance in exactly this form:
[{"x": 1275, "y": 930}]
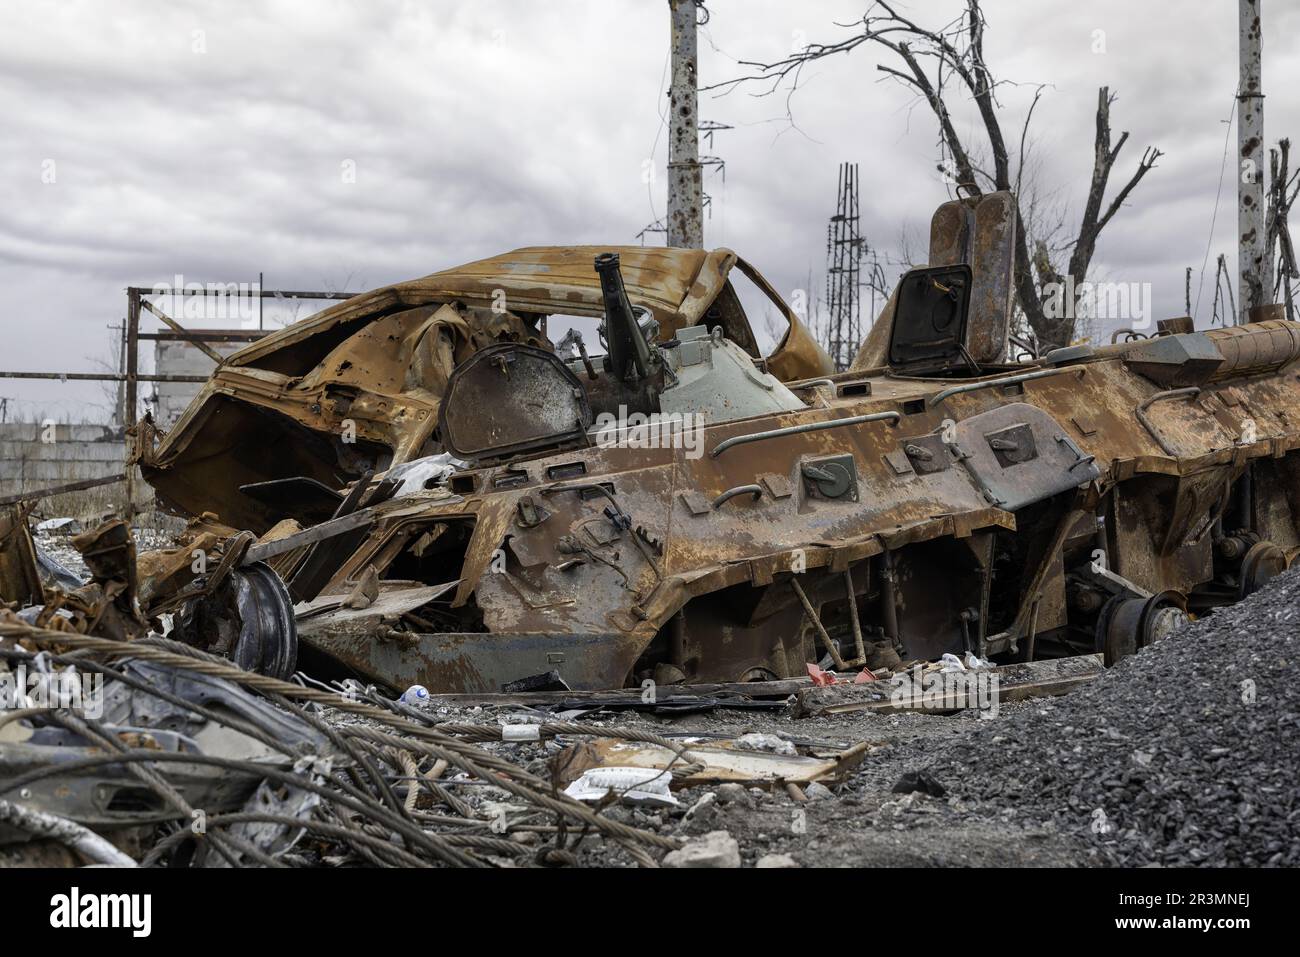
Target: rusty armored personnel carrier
[{"x": 453, "y": 500}]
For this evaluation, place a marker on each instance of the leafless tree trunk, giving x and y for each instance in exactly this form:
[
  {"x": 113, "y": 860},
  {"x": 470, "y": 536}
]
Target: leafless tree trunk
[
  {"x": 937, "y": 64},
  {"x": 1283, "y": 187}
]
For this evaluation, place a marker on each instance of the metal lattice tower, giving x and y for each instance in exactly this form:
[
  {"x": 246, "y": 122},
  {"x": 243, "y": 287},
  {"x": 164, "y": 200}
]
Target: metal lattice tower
[{"x": 843, "y": 256}]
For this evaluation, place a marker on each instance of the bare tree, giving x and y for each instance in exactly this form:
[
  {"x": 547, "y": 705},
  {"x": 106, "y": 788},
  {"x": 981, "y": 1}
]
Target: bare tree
[
  {"x": 1283, "y": 187},
  {"x": 939, "y": 64}
]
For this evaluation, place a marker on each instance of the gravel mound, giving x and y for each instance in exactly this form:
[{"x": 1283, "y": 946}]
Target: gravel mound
[{"x": 1187, "y": 753}]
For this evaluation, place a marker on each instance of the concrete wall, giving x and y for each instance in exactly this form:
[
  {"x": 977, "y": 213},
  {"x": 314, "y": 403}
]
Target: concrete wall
[
  {"x": 182, "y": 358},
  {"x": 30, "y": 461},
  {"x": 34, "y": 456},
  {"x": 29, "y": 457}
]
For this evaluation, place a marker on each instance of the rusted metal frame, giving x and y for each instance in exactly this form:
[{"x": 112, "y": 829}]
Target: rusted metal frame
[
  {"x": 205, "y": 335},
  {"x": 858, "y": 644},
  {"x": 60, "y": 489},
  {"x": 1032, "y": 635},
  {"x": 1000, "y": 381},
  {"x": 322, "y": 562},
  {"x": 201, "y": 289},
  {"x": 813, "y": 617},
  {"x": 802, "y": 430},
  {"x": 317, "y": 533},
  {"x": 810, "y": 384},
  {"x": 889, "y": 599},
  {"x": 206, "y": 349},
  {"x": 132, "y": 333},
  {"x": 234, "y": 555},
  {"x": 1165, "y": 396},
  {"x": 20, "y": 576},
  {"x": 102, "y": 377}
]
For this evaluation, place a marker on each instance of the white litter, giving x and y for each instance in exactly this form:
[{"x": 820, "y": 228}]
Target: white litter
[
  {"x": 416, "y": 694},
  {"x": 422, "y": 474},
  {"x": 59, "y": 526},
  {"x": 632, "y": 785},
  {"x": 521, "y": 732},
  {"x": 765, "y": 742}
]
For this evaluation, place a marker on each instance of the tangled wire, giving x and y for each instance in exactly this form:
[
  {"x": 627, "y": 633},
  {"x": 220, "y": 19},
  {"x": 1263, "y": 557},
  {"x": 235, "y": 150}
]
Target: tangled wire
[{"x": 381, "y": 797}]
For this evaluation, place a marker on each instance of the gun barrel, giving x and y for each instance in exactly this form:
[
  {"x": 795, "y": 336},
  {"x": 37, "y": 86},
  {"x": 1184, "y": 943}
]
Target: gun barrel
[{"x": 629, "y": 353}]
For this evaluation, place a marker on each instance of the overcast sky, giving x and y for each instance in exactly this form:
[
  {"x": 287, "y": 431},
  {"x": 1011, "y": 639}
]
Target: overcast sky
[{"x": 213, "y": 139}]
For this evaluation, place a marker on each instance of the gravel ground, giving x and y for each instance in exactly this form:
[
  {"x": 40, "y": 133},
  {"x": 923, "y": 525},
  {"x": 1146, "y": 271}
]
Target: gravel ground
[{"x": 1183, "y": 755}]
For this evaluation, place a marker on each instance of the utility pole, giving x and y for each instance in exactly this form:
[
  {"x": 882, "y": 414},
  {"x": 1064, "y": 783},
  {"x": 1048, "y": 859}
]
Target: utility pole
[
  {"x": 1255, "y": 281},
  {"x": 685, "y": 179}
]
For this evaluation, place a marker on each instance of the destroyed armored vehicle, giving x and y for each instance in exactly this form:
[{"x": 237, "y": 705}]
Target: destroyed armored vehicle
[{"x": 453, "y": 500}]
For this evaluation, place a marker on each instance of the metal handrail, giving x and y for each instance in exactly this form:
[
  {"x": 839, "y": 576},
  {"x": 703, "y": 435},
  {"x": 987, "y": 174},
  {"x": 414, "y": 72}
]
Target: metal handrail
[
  {"x": 1141, "y": 412},
  {"x": 1004, "y": 380},
  {"x": 801, "y": 429},
  {"x": 729, "y": 494}
]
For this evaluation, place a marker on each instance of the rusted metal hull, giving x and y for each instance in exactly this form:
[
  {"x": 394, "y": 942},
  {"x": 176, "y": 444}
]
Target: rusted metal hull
[{"x": 1076, "y": 504}]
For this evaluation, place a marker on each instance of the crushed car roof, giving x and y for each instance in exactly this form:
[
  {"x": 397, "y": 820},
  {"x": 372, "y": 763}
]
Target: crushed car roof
[{"x": 676, "y": 285}]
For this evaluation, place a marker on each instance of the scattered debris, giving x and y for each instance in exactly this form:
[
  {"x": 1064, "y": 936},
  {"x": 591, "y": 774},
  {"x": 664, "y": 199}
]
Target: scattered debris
[
  {"x": 919, "y": 781},
  {"x": 934, "y": 687},
  {"x": 415, "y": 695},
  {"x": 188, "y": 737},
  {"x": 816, "y": 791},
  {"x": 550, "y": 681},
  {"x": 712, "y": 762},
  {"x": 715, "y": 849},
  {"x": 765, "y": 742},
  {"x": 59, "y": 526}
]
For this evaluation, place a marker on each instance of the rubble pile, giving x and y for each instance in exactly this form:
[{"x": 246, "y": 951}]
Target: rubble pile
[
  {"x": 1183, "y": 754},
  {"x": 203, "y": 764}
]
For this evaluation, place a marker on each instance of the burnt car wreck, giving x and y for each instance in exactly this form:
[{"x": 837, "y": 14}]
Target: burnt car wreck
[{"x": 417, "y": 486}]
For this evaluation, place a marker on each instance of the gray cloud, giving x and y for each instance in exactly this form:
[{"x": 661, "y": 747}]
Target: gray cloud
[{"x": 478, "y": 127}]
